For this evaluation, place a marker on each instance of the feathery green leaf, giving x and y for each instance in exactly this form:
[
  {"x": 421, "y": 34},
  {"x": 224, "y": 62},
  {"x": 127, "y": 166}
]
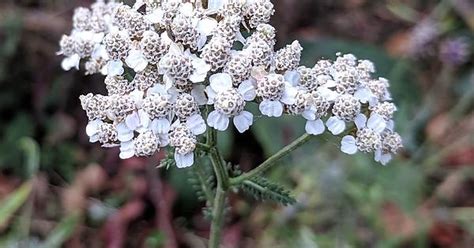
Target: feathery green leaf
[{"x": 263, "y": 189}]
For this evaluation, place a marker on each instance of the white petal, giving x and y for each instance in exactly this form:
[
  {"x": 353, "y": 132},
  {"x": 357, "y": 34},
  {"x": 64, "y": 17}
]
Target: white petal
[
  {"x": 124, "y": 133},
  {"x": 133, "y": 121},
  {"x": 176, "y": 48},
  {"x": 377, "y": 155},
  {"x": 315, "y": 127},
  {"x": 336, "y": 125},
  {"x": 382, "y": 158},
  {"x": 127, "y": 150},
  {"x": 115, "y": 68},
  {"x": 159, "y": 89},
  {"x": 137, "y": 97},
  {"x": 196, "y": 124},
  {"x": 215, "y": 4},
  {"x": 175, "y": 124},
  {"x": 240, "y": 38},
  {"x": 390, "y": 125},
  {"x": 138, "y": 4},
  {"x": 211, "y": 94},
  {"x": 326, "y": 81},
  {"x": 198, "y": 93},
  {"x": 292, "y": 77},
  {"x": 165, "y": 38},
  {"x": 327, "y": 93},
  {"x": 199, "y": 64},
  {"x": 258, "y": 73},
  {"x": 289, "y": 95},
  {"x": 71, "y": 62},
  {"x": 92, "y": 127},
  {"x": 184, "y": 161},
  {"x": 163, "y": 139},
  {"x": 374, "y": 101},
  {"x": 220, "y": 82},
  {"x": 173, "y": 94},
  {"x": 247, "y": 90},
  {"x": 201, "y": 42},
  {"x": 126, "y": 154},
  {"x": 243, "y": 121},
  {"x": 360, "y": 121},
  {"x": 103, "y": 70},
  {"x": 160, "y": 126},
  {"x": 144, "y": 119},
  {"x": 187, "y": 9},
  {"x": 271, "y": 108},
  {"x": 156, "y": 16},
  {"x": 348, "y": 145},
  {"x": 364, "y": 95},
  {"x": 98, "y": 37},
  {"x": 201, "y": 68},
  {"x": 100, "y": 52},
  {"x": 206, "y": 26},
  {"x": 94, "y": 138},
  {"x": 376, "y": 123},
  {"x": 136, "y": 60},
  {"x": 309, "y": 114},
  {"x": 218, "y": 120}
]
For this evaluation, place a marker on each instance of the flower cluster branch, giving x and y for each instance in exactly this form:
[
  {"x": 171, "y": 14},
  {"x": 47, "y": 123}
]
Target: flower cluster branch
[
  {"x": 176, "y": 70},
  {"x": 184, "y": 56}
]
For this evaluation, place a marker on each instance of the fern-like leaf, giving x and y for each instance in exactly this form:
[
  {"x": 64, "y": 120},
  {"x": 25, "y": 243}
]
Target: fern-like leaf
[
  {"x": 202, "y": 182},
  {"x": 168, "y": 161},
  {"x": 265, "y": 190}
]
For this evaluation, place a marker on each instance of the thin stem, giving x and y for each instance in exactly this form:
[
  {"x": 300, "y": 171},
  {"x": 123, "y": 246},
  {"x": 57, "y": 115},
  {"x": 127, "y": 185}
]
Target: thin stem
[
  {"x": 204, "y": 147},
  {"x": 222, "y": 175},
  {"x": 272, "y": 160},
  {"x": 222, "y": 178},
  {"x": 217, "y": 218}
]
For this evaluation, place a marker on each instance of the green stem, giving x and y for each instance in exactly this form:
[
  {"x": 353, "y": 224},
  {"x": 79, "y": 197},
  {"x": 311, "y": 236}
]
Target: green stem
[
  {"x": 272, "y": 160},
  {"x": 204, "y": 147},
  {"x": 222, "y": 178},
  {"x": 217, "y": 218}
]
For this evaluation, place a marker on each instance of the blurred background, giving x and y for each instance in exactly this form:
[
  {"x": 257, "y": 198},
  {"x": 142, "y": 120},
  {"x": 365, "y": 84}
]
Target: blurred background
[{"x": 56, "y": 189}]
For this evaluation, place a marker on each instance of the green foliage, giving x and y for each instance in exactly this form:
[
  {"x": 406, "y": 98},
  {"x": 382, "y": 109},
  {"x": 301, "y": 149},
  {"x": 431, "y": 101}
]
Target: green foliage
[
  {"x": 225, "y": 141},
  {"x": 62, "y": 232},
  {"x": 32, "y": 154},
  {"x": 168, "y": 161},
  {"x": 129, "y": 73},
  {"x": 13, "y": 202},
  {"x": 202, "y": 180},
  {"x": 234, "y": 170},
  {"x": 12, "y": 26},
  {"x": 273, "y": 134},
  {"x": 60, "y": 159},
  {"x": 155, "y": 239},
  {"x": 10, "y": 150},
  {"x": 207, "y": 213},
  {"x": 262, "y": 189}
]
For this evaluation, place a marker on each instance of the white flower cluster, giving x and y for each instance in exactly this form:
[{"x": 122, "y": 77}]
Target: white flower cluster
[{"x": 184, "y": 57}]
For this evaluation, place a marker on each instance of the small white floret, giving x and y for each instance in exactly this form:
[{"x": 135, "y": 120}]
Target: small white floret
[
  {"x": 348, "y": 145},
  {"x": 243, "y": 121},
  {"x": 335, "y": 125}
]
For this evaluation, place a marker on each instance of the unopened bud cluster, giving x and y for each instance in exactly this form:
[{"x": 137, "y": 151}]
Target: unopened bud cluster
[{"x": 166, "y": 62}]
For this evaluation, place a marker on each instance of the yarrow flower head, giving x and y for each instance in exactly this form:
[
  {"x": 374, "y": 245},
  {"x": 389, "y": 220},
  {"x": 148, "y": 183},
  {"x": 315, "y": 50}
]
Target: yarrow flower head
[{"x": 175, "y": 69}]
